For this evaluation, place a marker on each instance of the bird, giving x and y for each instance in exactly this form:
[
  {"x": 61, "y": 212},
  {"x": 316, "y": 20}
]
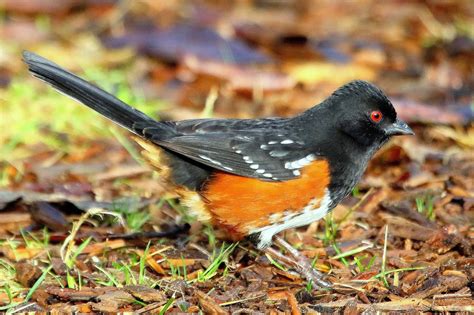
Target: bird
[{"x": 253, "y": 178}]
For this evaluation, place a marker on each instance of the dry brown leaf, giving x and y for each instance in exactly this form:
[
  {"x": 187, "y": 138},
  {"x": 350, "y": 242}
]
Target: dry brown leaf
[
  {"x": 179, "y": 262},
  {"x": 12, "y": 221},
  {"x": 112, "y": 301},
  {"x": 97, "y": 248},
  {"x": 407, "y": 229},
  {"x": 155, "y": 266},
  {"x": 208, "y": 305},
  {"x": 27, "y": 274},
  {"x": 146, "y": 294},
  {"x": 18, "y": 254}
]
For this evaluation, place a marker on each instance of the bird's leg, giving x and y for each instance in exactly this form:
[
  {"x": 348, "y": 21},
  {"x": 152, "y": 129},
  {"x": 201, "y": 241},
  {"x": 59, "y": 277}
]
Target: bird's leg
[{"x": 299, "y": 262}]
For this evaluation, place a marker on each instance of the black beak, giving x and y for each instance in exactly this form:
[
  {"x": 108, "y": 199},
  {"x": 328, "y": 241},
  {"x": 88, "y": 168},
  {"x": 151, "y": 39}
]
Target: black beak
[{"x": 398, "y": 128}]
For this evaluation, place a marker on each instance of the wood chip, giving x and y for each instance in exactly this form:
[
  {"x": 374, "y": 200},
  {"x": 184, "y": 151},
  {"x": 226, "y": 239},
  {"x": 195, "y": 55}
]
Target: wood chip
[
  {"x": 145, "y": 294},
  {"x": 27, "y": 274},
  {"x": 208, "y": 305},
  {"x": 112, "y": 301},
  {"x": 285, "y": 295},
  {"x": 18, "y": 254},
  {"x": 97, "y": 248},
  {"x": 404, "y": 228},
  {"x": 14, "y": 222}
]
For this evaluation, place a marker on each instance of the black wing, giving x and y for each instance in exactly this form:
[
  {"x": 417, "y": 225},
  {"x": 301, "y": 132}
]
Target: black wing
[{"x": 266, "y": 149}]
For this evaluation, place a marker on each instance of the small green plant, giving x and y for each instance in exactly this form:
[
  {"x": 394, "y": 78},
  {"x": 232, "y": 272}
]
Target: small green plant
[
  {"x": 183, "y": 307},
  {"x": 30, "y": 291},
  {"x": 125, "y": 269},
  {"x": 70, "y": 261},
  {"x": 330, "y": 229},
  {"x": 211, "y": 235},
  {"x": 180, "y": 271},
  {"x": 425, "y": 205},
  {"x": 340, "y": 255},
  {"x": 167, "y": 306},
  {"x": 361, "y": 266},
  {"x": 383, "y": 270},
  {"x": 331, "y": 226},
  {"x": 343, "y": 255},
  {"x": 125, "y": 272},
  {"x": 384, "y": 258},
  {"x": 383, "y": 275},
  {"x": 31, "y": 241},
  {"x": 143, "y": 259},
  {"x": 69, "y": 251},
  {"x": 275, "y": 263},
  {"x": 132, "y": 215},
  {"x": 38, "y": 282},
  {"x": 112, "y": 279},
  {"x": 217, "y": 260},
  {"x": 352, "y": 251},
  {"x": 8, "y": 280},
  {"x": 356, "y": 192}
]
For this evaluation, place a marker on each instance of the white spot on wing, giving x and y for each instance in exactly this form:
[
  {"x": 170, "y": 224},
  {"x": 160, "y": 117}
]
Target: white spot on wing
[
  {"x": 260, "y": 171},
  {"x": 272, "y": 142},
  {"x": 301, "y": 162},
  {"x": 210, "y": 160},
  {"x": 287, "y": 141},
  {"x": 247, "y": 159},
  {"x": 254, "y": 166},
  {"x": 278, "y": 153},
  {"x": 296, "y": 173},
  {"x": 267, "y": 175}
]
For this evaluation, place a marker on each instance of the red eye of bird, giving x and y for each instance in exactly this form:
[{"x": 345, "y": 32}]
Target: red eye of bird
[{"x": 376, "y": 116}]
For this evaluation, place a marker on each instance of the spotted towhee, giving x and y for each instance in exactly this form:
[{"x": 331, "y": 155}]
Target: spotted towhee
[{"x": 253, "y": 177}]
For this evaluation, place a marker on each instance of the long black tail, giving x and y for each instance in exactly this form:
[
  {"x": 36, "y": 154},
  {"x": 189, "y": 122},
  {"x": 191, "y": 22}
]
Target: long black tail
[{"x": 86, "y": 93}]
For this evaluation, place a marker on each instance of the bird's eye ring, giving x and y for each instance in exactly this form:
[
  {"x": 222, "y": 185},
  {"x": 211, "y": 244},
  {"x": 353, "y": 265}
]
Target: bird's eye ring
[{"x": 376, "y": 116}]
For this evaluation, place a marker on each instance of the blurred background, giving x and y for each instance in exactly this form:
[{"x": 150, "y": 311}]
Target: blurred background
[
  {"x": 255, "y": 58},
  {"x": 190, "y": 59}
]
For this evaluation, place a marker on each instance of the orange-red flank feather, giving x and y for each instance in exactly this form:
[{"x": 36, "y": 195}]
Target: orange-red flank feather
[{"x": 239, "y": 204}]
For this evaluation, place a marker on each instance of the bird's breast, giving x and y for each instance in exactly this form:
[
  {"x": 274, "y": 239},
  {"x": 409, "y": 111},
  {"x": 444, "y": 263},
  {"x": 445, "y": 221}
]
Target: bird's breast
[{"x": 242, "y": 205}]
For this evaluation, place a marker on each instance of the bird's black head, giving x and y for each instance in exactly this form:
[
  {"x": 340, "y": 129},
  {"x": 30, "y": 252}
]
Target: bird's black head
[{"x": 364, "y": 113}]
